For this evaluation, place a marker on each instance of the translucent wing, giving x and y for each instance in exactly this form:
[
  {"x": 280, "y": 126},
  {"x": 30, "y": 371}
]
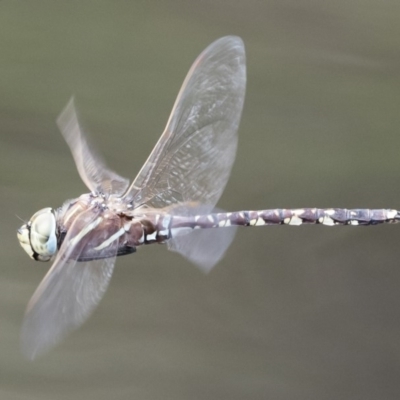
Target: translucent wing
[
  {"x": 92, "y": 170},
  {"x": 68, "y": 293},
  {"x": 193, "y": 158},
  {"x": 203, "y": 247}
]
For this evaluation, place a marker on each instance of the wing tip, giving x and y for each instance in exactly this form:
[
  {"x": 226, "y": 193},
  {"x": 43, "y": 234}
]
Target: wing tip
[
  {"x": 231, "y": 41},
  {"x": 30, "y": 349}
]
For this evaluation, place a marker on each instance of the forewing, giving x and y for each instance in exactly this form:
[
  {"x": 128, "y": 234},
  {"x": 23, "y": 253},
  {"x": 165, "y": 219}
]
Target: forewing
[
  {"x": 193, "y": 158},
  {"x": 68, "y": 293},
  {"x": 92, "y": 170}
]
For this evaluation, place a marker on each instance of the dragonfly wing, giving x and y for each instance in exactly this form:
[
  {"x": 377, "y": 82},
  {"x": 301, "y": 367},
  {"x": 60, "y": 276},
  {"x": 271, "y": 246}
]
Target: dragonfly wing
[
  {"x": 193, "y": 158},
  {"x": 68, "y": 293},
  {"x": 203, "y": 247},
  {"x": 92, "y": 170}
]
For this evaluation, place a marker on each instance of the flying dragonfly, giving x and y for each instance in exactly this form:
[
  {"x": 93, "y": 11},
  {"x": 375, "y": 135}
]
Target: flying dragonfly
[{"x": 172, "y": 200}]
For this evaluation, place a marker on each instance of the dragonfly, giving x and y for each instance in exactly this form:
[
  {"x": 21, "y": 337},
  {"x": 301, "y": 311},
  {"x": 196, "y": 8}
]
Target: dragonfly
[{"x": 172, "y": 200}]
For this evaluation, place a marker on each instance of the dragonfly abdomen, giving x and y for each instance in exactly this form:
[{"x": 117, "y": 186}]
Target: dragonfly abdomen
[{"x": 322, "y": 216}]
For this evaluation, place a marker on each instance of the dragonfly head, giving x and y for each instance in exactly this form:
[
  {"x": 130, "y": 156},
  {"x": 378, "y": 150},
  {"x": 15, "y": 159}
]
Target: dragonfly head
[{"x": 38, "y": 237}]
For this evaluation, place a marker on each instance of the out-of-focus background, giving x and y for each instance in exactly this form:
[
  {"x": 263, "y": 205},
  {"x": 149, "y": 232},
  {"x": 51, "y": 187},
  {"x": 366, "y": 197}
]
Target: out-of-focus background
[{"x": 291, "y": 312}]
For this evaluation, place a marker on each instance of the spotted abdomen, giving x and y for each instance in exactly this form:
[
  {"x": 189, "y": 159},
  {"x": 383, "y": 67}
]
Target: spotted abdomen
[{"x": 328, "y": 216}]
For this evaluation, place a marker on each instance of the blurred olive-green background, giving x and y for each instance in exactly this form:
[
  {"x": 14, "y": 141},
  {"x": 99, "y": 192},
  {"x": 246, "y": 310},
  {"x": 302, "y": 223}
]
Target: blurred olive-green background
[{"x": 291, "y": 312}]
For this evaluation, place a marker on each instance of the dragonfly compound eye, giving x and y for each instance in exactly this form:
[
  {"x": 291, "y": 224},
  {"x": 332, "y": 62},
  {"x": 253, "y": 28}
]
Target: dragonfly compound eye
[{"x": 38, "y": 237}]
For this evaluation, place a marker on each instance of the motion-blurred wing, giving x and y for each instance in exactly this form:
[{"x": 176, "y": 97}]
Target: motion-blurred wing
[
  {"x": 193, "y": 158},
  {"x": 69, "y": 292},
  {"x": 203, "y": 247},
  {"x": 92, "y": 170}
]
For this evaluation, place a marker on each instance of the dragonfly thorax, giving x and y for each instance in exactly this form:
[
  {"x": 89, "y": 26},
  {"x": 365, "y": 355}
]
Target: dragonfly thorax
[
  {"x": 38, "y": 237},
  {"x": 105, "y": 202}
]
